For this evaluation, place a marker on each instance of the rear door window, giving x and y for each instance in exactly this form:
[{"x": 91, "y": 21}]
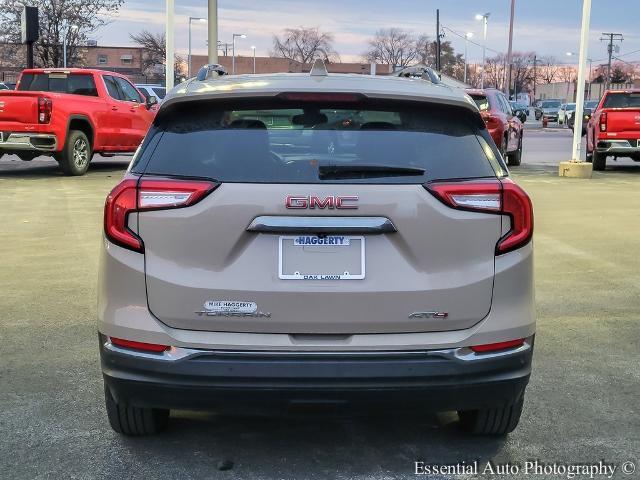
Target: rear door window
[{"x": 279, "y": 142}]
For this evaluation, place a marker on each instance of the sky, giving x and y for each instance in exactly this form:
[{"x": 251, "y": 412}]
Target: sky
[{"x": 549, "y": 27}]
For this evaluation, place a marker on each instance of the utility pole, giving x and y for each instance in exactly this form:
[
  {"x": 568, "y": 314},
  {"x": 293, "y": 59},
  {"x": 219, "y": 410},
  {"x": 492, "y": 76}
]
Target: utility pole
[
  {"x": 611, "y": 37},
  {"x": 438, "y": 46},
  {"x": 535, "y": 77},
  {"x": 212, "y": 31},
  {"x": 509, "y": 51}
]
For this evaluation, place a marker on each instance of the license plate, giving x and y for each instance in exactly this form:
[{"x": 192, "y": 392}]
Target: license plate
[{"x": 330, "y": 257}]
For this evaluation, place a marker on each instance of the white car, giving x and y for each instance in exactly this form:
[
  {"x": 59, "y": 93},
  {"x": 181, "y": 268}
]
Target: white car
[
  {"x": 566, "y": 110},
  {"x": 149, "y": 90}
]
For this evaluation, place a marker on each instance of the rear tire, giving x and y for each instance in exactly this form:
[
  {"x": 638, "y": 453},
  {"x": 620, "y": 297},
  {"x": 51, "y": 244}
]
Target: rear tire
[
  {"x": 134, "y": 421},
  {"x": 599, "y": 161},
  {"x": 77, "y": 153},
  {"x": 515, "y": 158},
  {"x": 492, "y": 421}
]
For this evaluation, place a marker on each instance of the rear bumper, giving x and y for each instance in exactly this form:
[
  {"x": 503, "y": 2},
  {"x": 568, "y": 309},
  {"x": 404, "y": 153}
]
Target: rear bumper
[
  {"x": 618, "y": 146},
  {"x": 451, "y": 379},
  {"x": 25, "y": 141}
]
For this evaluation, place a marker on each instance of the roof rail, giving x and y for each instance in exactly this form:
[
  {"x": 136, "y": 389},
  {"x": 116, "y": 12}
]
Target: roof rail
[
  {"x": 319, "y": 69},
  {"x": 420, "y": 71},
  {"x": 209, "y": 71}
]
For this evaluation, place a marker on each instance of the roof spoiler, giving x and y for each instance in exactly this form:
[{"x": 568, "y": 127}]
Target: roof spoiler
[
  {"x": 210, "y": 71},
  {"x": 420, "y": 71}
]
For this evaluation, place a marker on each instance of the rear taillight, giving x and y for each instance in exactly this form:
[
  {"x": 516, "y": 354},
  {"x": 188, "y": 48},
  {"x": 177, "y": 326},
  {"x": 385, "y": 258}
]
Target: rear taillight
[
  {"x": 134, "y": 195},
  {"x": 603, "y": 122},
  {"x": 44, "y": 109},
  {"x": 501, "y": 197},
  {"x": 495, "y": 347},
  {"x": 145, "y": 347},
  {"x": 490, "y": 119}
]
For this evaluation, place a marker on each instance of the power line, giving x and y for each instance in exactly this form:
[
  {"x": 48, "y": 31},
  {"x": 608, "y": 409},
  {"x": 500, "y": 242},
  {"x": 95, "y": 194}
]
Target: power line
[{"x": 470, "y": 41}]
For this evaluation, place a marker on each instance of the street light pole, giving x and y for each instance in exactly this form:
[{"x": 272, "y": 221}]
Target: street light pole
[
  {"x": 253, "y": 47},
  {"x": 169, "y": 63},
  {"x": 233, "y": 46},
  {"x": 189, "y": 63},
  {"x": 582, "y": 66},
  {"x": 485, "y": 19},
  {"x": 212, "y": 31},
  {"x": 467, "y": 36},
  {"x": 509, "y": 52},
  {"x": 64, "y": 44}
]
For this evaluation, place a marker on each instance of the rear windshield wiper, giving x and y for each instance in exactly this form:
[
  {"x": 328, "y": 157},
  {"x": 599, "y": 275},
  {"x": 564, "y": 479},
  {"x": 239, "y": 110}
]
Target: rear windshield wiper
[{"x": 326, "y": 172}]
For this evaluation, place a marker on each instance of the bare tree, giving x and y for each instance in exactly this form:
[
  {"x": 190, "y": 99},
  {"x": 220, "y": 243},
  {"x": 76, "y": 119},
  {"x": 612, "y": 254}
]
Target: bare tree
[
  {"x": 495, "y": 71},
  {"x": 155, "y": 52},
  {"x": 154, "y": 45},
  {"x": 394, "y": 46},
  {"x": 547, "y": 70},
  {"x": 521, "y": 70},
  {"x": 56, "y": 19},
  {"x": 305, "y": 44}
]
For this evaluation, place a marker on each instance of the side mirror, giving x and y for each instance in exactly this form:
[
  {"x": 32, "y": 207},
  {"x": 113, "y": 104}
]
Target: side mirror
[
  {"x": 521, "y": 114},
  {"x": 151, "y": 101}
]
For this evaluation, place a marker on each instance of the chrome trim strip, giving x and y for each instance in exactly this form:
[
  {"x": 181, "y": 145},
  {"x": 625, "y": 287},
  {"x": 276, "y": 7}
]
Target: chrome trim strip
[
  {"x": 464, "y": 354},
  {"x": 315, "y": 225}
]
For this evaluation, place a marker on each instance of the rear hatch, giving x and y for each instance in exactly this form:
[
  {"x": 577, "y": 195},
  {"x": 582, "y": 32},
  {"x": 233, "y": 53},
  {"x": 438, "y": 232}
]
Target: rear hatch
[
  {"x": 623, "y": 112},
  {"x": 318, "y": 219}
]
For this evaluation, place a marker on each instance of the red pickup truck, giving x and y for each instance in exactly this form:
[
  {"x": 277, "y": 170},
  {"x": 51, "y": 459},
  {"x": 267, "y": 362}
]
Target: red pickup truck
[
  {"x": 70, "y": 114},
  {"x": 614, "y": 128}
]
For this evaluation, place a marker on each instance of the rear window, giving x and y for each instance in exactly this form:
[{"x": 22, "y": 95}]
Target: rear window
[
  {"x": 160, "y": 92},
  {"x": 482, "y": 102},
  {"x": 622, "y": 100},
  {"x": 313, "y": 143},
  {"x": 77, "y": 84},
  {"x": 552, "y": 104}
]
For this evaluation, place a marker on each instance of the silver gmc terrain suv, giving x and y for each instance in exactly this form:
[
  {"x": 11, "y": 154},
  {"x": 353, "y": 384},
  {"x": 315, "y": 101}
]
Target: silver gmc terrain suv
[{"x": 298, "y": 239}]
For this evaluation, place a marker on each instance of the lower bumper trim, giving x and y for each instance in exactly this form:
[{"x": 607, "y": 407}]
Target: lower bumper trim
[{"x": 435, "y": 380}]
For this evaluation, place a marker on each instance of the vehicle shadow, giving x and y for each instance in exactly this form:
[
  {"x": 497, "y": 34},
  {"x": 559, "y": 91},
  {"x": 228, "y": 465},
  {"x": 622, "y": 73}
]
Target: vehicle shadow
[
  {"x": 47, "y": 169},
  {"x": 324, "y": 447}
]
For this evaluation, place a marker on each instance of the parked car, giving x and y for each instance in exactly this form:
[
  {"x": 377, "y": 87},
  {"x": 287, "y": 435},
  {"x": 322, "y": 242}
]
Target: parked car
[
  {"x": 548, "y": 109},
  {"x": 4, "y": 86},
  {"x": 502, "y": 122},
  {"x": 70, "y": 114},
  {"x": 383, "y": 264},
  {"x": 586, "y": 116},
  {"x": 565, "y": 111},
  {"x": 614, "y": 128},
  {"x": 518, "y": 106},
  {"x": 149, "y": 90}
]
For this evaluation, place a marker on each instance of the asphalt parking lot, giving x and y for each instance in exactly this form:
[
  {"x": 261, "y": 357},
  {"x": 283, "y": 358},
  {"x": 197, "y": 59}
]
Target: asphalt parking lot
[{"x": 581, "y": 407}]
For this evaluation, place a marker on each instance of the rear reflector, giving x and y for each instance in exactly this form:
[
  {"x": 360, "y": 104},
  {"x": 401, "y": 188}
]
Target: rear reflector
[
  {"x": 133, "y": 195},
  {"x": 145, "y": 347},
  {"x": 501, "y": 197},
  {"x": 494, "y": 347}
]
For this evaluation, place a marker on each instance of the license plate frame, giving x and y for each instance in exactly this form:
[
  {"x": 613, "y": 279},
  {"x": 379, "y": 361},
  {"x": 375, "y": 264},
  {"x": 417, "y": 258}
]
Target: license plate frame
[{"x": 345, "y": 275}]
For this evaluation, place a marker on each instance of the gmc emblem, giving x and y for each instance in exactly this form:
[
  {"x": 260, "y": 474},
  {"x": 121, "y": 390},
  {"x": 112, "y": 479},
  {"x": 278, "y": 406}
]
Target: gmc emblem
[{"x": 342, "y": 202}]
